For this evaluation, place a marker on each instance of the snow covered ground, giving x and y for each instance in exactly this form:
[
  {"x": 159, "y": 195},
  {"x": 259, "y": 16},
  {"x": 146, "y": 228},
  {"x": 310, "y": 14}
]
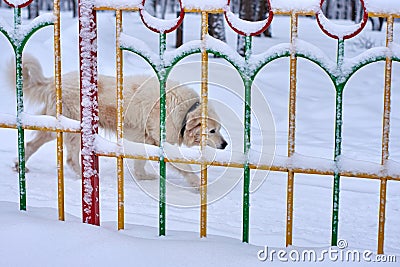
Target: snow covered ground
[{"x": 36, "y": 237}]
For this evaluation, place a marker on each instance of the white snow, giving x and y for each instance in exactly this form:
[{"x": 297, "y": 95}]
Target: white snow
[
  {"x": 247, "y": 27},
  {"x": 48, "y": 242},
  {"x": 383, "y": 6},
  {"x": 157, "y": 24},
  {"x": 123, "y": 4},
  {"x": 295, "y": 5},
  {"x": 25, "y": 28},
  {"x": 204, "y": 4},
  {"x": 16, "y": 3},
  {"x": 139, "y": 46},
  {"x": 340, "y": 31}
]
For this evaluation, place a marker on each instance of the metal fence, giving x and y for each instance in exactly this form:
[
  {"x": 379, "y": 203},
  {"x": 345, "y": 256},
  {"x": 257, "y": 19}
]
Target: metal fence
[{"x": 248, "y": 67}]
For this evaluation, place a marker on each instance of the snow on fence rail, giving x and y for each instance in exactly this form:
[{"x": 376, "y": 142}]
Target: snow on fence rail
[{"x": 248, "y": 67}]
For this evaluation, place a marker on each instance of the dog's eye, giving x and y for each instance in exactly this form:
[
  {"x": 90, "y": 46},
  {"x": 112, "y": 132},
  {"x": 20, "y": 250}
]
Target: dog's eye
[{"x": 212, "y": 131}]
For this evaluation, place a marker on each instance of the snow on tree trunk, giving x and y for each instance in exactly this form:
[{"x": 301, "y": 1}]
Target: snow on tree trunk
[
  {"x": 216, "y": 26},
  {"x": 163, "y": 4},
  {"x": 261, "y": 14},
  {"x": 235, "y": 6},
  {"x": 151, "y": 7},
  {"x": 246, "y": 13},
  {"x": 33, "y": 10}
]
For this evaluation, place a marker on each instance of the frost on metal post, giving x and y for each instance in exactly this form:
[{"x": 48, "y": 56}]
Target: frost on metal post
[{"x": 89, "y": 111}]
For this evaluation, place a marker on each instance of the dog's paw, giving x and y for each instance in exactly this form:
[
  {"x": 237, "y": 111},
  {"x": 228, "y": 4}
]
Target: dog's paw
[
  {"x": 144, "y": 176},
  {"x": 16, "y": 167},
  {"x": 194, "y": 182}
]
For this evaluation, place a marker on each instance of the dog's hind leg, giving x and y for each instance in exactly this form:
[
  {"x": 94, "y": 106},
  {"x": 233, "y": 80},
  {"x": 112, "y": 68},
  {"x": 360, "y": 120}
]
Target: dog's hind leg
[
  {"x": 73, "y": 144},
  {"x": 140, "y": 173},
  {"x": 40, "y": 138}
]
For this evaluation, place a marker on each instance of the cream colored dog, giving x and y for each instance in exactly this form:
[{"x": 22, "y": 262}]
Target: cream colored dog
[{"x": 142, "y": 109}]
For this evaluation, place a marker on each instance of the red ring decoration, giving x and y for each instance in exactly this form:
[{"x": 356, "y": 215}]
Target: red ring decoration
[
  {"x": 319, "y": 15},
  {"x": 266, "y": 23},
  {"x": 27, "y": 3},
  {"x": 174, "y": 27}
]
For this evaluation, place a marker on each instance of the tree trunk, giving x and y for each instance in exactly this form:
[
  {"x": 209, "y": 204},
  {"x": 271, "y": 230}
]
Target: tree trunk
[
  {"x": 151, "y": 7},
  {"x": 179, "y": 33},
  {"x": 163, "y": 4},
  {"x": 235, "y": 6},
  {"x": 262, "y": 12},
  {"x": 172, "y": 6},
  {"x": 377, "y": 23},
  {"x": 246, "y": 13},
  {"x": 216, "y": 26},
  {"x": 33, "y": 10},
  {"x": 74, "y": 8}
]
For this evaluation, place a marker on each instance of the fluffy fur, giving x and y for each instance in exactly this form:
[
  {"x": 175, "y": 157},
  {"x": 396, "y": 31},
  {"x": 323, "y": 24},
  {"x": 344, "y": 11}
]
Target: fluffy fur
[{"x": 141, "y": 106}]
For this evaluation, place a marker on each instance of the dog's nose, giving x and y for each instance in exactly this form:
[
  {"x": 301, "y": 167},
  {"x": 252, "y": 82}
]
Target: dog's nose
[{"x": 223, "y": 145}]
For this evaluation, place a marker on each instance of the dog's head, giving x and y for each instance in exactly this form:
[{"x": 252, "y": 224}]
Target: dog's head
[{"x": 191, "y": 129}]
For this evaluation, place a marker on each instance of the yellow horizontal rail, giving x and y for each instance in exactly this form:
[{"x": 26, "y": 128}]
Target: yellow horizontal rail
[
  {"x": 265, "y": 167},
  {"x": 39, "y": 128}
]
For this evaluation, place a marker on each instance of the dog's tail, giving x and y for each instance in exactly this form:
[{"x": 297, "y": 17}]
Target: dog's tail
[
  {"x": 31, "y": 70},
  {"x": 34, "y": 82}
]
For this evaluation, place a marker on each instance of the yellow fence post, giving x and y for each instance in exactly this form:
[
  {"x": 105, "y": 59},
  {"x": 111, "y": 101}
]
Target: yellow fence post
[
  {"x": 120, "y": 119},
  {"x": 204, "y": 115},
  {"x": 58, "y": 85},
  {"x": 292, "y": 126},
  {"x": 385, "y": 135}
]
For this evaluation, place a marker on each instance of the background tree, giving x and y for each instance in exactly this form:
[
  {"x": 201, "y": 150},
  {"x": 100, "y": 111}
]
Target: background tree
[
  {"x": 252, "y": 10},
  {"x": 216, "y": 26},
  {"x": 246, "y": 13},
  {"x": 349, "y": 10},
  {"x": 33, "y": 9},
  {"x": 261, "y": 13}
]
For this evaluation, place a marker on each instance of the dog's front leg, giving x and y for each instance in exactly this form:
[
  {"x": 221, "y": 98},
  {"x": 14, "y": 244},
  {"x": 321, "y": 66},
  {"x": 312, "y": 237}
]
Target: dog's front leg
[
  {"x": 186, "y": 171},
  {"x": 139, "y": 171}
]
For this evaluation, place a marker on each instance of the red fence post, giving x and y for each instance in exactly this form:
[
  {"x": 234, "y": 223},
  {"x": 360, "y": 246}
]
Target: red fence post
[{"x": 89, "y": 111}]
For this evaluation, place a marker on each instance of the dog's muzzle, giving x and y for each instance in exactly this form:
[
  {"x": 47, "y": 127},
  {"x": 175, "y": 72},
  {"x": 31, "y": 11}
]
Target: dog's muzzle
[{"x": 223, "y": 145}]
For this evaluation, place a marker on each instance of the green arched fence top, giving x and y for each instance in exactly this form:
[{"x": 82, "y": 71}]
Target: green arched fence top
[{"x": 249, "y": 66}]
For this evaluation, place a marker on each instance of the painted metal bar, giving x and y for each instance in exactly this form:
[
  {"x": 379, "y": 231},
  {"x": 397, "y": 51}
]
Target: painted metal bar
[
  {"x": 247, "y": 142},
  {"x": 20, "y": 109},
  {"x": 120, "y": 119},
  {"x": 210, "y": 10},
  {"x": 38, "y": 128},
  {"x": 336, "y": 179},
  {"x": 204, "y": 116},
  {"x": 57, "y": 77},
  {"x": 384, "y": 15},
  {"x": 120, "y": 8},
  {"x": 276, "y": 168},
  {"x": 385, "y": 135},
  {"x": 292, "y": 127},
  {"x": 291, "y": 12},
  {"x": 89, "y": 112},
  {"x": 338, "y": 147},
  {"x": 162, "y": 76}
]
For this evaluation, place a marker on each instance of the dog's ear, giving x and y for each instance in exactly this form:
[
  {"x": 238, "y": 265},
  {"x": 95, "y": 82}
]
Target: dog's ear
[
  {"x": 192, "y": 122},
  {"x": 191, "y": 135}
]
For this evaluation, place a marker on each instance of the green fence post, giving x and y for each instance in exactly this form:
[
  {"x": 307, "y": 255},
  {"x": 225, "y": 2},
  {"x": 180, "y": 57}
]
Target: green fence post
[
  {"x": 162, "y": 79},
  {"x": 247, "y": 142},
  {"x": 338, "y": 146}
]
